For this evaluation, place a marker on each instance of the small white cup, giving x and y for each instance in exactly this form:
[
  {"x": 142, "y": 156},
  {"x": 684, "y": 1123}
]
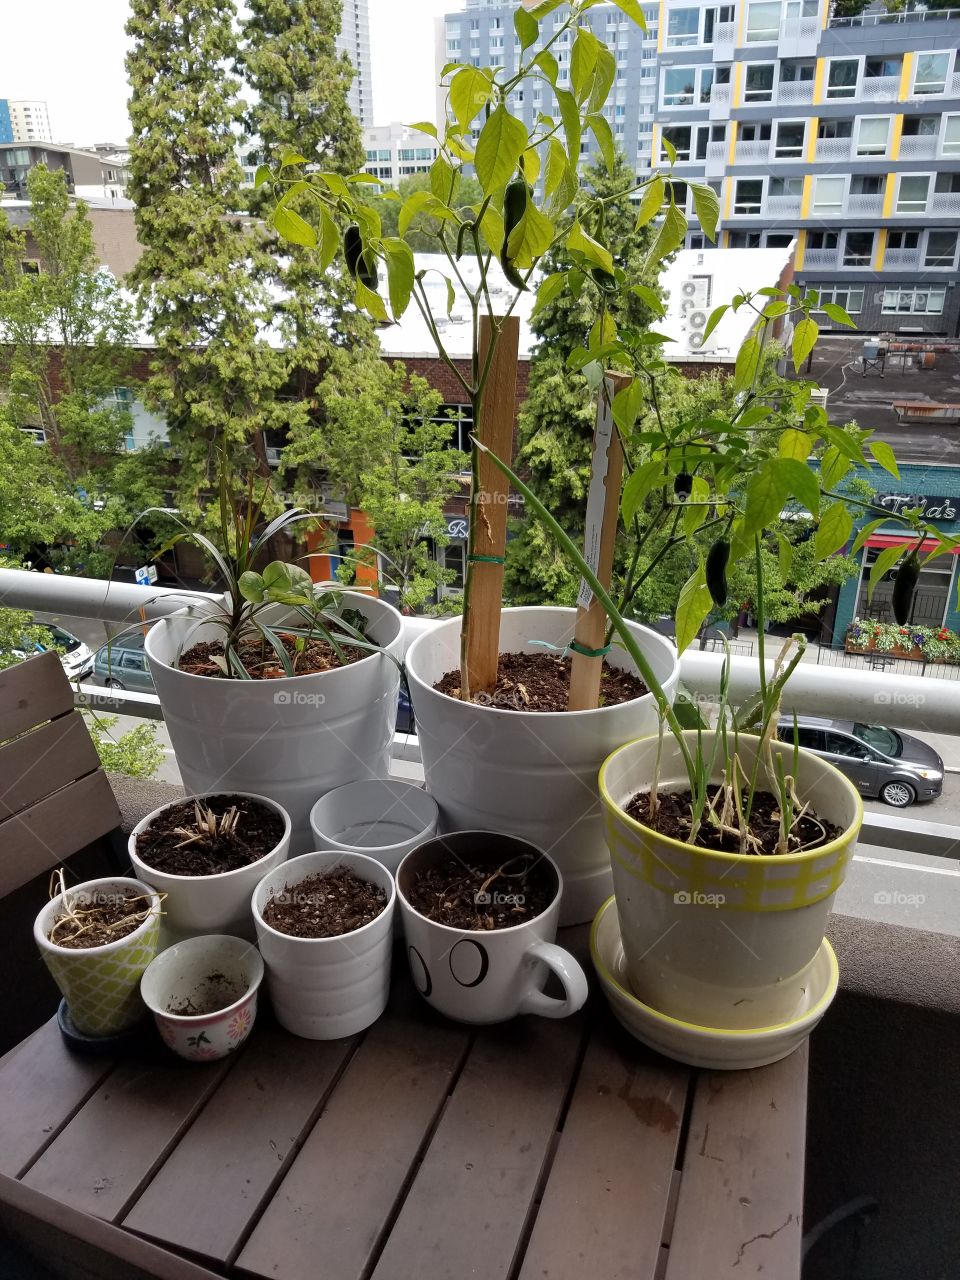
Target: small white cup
[
  {"x": 491, "y": 975},
  {"x": 380, "y": 817}
]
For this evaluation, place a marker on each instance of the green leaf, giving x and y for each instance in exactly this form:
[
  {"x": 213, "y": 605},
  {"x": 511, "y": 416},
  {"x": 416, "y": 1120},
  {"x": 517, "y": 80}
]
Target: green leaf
[
  {"x": 774, "y": 309},
  {"x": 633, "y": 11},
  {"x": 530, "y": 163},
  {"x": 884, "y": 562},
  {"x": 570, "y": 115},
  {"x": 697, "y": 510},
  {"x": 530, "y": 238},
  {"x": 848, "y": 445},
  {"x": 867, "y": 531},
  {"x": 716, "y": 315},
  {"x": 642, "y": 481},
  {"x": 803, "y": 484},
  {"x": 294, "y": 228},
  {"x": 837, "y": 314},
  {"x": 550, "y": 289},
  {"x": 650, "y": 299},
  {"x": 767, "y": 491},
  {"x": 583, "y": 62},
  {"x": 834, "y": 467},
  {"x": 526, "y": 27},
  {"x": 329, "y": 238},
  {"x": 579, "y": 241},
  {"x": 603, "y": 77},
  {"x": 556, "y": 165},
  {"x": 748, "y": 362},
  {"x": 670, "y": 235},
  {"x": 413, "y": 205},
  {"x": 400, "y": 274},
  {"x": 263, "y": 174},
  {"x": 834, "y": 531},
  {"x": 470, "y": 90},
  {"x": 884, "y": 455},
  {"x": 250, "y": 586},
  {"x": 548, "y": 65},
  {"x": 544, "y": 7},
  {"x": 795, "y": 444},
  {"x": 502, "y": 142},
  {"x": 425, "y": 126},
  {"x": 670, "y": 149},
  {"x": 692, "y": 608},
  {"x": 442, "y": 181},
  {"x": 805, "y": 335},
  {"x": 784, "y": 555},
  {"x": 627, "y": 404},
  {"x": 651, "y": 202},
  {"x": 370, "y": 302},
  {"x": 491, "y": 228},
  {"x": 600, "y": 127},
  {"x": 708, "y": 208}
]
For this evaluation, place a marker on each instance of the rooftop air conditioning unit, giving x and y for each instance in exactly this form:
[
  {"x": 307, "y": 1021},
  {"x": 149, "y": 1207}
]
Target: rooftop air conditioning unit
[
  {"x": 696, "y": 341},
  {"x": 819, "y": 396}
]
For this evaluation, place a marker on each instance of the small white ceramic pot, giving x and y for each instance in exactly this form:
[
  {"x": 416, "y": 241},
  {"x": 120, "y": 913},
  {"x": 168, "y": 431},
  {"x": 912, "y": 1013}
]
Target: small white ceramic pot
[
  {"x": 531, "y": 774},
  {"x": 491, "y": 975},
  {"x": 101, "y": 985},
  {"x": 384, "y": 818},
  {"x": 326, "y": 988},
  {"x": 720, "y": 939},
  {"x": 292, "y": 738},
  {"x": 198, "y": 972},
  {"x": 210, "y": 904}
]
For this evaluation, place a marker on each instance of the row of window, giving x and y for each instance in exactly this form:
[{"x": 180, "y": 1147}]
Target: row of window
[
  {"x": 912, "y": 300},
  {"x": 856, "y": 194},
  {"x": 863, "y": 137}
]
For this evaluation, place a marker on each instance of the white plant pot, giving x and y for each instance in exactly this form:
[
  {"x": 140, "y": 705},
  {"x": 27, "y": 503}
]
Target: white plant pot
[
  {"x": 210, "y": 904},
  {"x": 292, "y": 738},
  {"x": 326, "y": 988},
  {"x": 527, "y": 773},
  {"x": 384, "y": 818},
  {"x": 718, "y": 939}
]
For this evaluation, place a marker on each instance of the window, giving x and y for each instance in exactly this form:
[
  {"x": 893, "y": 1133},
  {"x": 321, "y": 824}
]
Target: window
[
  {"x": 823, "y": 239},
  {"x": 680, "y": 139},
  {"x": 903, "y": 239},
  {"x": 838, "y": 744},
  {"x": 796, "y": 72},
  {"x": 872, "y": 136},
  {"x": 842, "y": 79},
  {"x": 763, "y": 22},
  {"x": 679, "y": 86},
  {"x": 951, "y": 135},
  {"x": 749, "y": 195},
  {"x": 915, "y": 302},
  {"x": 875, "y": 68},
  {"x": 828, "y": 195},
  {"x": 683, "y": 27},
  {"x": 754, "y": 132},
  {"x": 941, "y": 249},
  {"x": 809, "y": 739},
  {"x": 790, "y": 136},
  {"x": 866, "y": 184},
  {"x": 912, "y": 196},
  {"x": 850, "y": 297},
  {"x": 759, "y": 82},
  {"x": 743, "y": 240},
  {"x": 835, "y": 129},
  {"x": 496, "y": 42},
  {"x": 786, "y": 187},
  {"x": 779, "y": 239},
  {"x": 931, "y": 73},
  {"x": 858, "y": 249},
  {"x": 921, "y": 126}
]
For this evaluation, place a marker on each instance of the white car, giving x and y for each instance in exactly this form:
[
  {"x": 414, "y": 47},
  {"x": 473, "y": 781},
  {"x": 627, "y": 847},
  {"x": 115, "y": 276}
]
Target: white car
[{"x": 76, "y": 657}]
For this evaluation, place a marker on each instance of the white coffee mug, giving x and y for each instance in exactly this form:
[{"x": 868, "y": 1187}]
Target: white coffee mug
[{"x": 484, "y": 976}]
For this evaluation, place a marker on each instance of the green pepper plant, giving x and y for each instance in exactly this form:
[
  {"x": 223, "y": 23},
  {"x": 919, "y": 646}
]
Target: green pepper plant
[{"x": 535, "y": 201}]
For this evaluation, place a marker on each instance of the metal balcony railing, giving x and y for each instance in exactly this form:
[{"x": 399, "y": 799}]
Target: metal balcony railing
[
  {"x": 919, "y": 147},
  {"x": 892, "y": 19},
  {"x": 879, "y": 88},
  {"x": 782, "y": 206},
  {"x": 945, "y": 203},
  {"x": 901, "y": 259},
  {"x": 821, "y": 260},
  {"x": 829, "y": 149},
  {"x": 863, "y": 206},
  {"x": 792, "y": 93}
]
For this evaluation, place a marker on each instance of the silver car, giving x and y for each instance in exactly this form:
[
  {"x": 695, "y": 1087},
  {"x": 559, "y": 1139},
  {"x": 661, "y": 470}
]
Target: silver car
[
  {"x": 76, "y": 658},
  {"x": 881, "y": 763},
  {"x": 122, "y": 664}
]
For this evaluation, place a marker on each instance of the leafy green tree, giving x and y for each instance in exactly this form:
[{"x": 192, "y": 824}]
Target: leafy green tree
[
  {"x": 135, "y": 752},
  {"x": 557, "y": 421},
  {"x": 214, "y": 376},
  {"x": 422, "y": 236}
]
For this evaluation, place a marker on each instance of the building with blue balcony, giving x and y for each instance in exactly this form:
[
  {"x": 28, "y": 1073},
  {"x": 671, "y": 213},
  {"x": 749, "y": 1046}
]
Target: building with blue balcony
[{"x": 6, "y": 125}]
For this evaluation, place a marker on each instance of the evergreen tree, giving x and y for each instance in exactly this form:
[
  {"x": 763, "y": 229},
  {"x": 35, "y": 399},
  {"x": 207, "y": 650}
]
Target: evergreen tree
[
  {"x": 214, "y": 376},
  {"x": 556, "y": 423}
]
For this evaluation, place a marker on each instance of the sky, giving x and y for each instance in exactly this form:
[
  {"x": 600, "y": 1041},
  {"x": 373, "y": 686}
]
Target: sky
[{"x": 70, "y": 53}]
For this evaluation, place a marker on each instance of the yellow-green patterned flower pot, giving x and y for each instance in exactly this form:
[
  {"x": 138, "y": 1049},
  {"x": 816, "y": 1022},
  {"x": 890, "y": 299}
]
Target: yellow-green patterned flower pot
[
  {"x": 720, "y": 939},
  {"x": 101, "y": 985}
]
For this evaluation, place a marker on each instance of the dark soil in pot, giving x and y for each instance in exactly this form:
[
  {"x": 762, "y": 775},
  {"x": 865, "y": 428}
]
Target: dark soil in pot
[
  {"x": 483, "y": 898},
  {"x": 214, "y": 992},
  {"x": 182, "y": 843},
  {"x": 106, "y": 917},
  {"x": 261, "y": 662},
  {"x": 541, "y": 682},
  {"x": 673, "y": 819},
  {"x": 325, "y": 906}
]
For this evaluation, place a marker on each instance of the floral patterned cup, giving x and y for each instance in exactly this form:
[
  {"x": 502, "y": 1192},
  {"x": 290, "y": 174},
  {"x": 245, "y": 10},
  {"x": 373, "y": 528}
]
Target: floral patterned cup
[{"x": 185, "y": 984}]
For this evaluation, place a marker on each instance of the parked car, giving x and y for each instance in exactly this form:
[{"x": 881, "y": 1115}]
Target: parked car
[
  {"x": 881, "y": 763},
  {"x": 122, "y": 664},
  {"x": 77, "y": 659}
]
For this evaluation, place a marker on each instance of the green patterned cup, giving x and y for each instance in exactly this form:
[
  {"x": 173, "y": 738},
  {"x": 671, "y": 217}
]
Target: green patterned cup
[{"x": 101, "y": 985}]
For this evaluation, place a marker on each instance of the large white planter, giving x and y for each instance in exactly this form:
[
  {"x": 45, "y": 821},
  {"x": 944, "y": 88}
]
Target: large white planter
[
  {"x": 209, "y": 904},
  {"x": 529, "y": 774},
  {"x": 325, "y": 988},
  {"x": 718, "y": 939},
  {"x": 291, "y": 739}
]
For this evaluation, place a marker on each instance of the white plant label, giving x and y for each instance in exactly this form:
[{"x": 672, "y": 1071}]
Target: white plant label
[{"x": 596, "y": 494}]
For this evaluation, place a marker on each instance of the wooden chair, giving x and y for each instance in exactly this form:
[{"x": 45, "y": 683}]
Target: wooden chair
[{"x": 56, "y": 809}]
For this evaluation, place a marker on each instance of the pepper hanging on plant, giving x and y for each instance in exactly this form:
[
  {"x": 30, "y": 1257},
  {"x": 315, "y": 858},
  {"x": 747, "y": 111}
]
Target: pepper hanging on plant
[
  {"x": 716, "y": 571},
  {"x": 603, "y": 279},
  {"x": 683, "y": 486},
  {"x": 357, "y": 264},
  {"x": 514, "y": 207},
  {"x": 904, "y": 586}
]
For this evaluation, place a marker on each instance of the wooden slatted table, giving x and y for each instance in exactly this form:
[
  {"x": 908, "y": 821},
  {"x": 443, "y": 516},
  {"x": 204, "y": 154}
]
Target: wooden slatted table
[{"x": 421, "y": 1150}]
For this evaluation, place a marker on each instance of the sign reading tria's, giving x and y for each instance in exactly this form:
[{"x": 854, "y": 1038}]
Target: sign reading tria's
[{"x": 933, "y": 508}]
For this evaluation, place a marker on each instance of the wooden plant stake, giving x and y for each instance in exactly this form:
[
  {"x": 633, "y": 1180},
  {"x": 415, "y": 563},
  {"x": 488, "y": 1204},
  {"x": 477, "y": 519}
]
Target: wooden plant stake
[
  {"x": 603, "y": 513},
  {"x": 488, "y": 515}
]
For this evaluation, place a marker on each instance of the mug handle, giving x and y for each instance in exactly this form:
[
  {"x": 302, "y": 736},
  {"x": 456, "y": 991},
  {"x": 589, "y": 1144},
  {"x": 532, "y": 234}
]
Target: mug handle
[{"x": 567, "y": 969}]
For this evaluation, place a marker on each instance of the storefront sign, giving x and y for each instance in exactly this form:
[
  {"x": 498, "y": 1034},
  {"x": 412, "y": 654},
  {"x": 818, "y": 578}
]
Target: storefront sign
[
  {"x": 933, "y": 508},
  {"x": 458, "y": 527}
]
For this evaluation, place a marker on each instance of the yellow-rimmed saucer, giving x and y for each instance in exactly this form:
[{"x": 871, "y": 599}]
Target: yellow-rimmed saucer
[{"x": 715, "y": 1048}]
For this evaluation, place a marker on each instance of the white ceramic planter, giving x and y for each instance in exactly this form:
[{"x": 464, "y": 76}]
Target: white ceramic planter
[
  {"x": 384, "y": 818},
  {"x": 326, "y": 988},
  {"x": 101, "y": 985},
  {"x": 182, "y": 973},
  {"x": 718, "y": 939},
  {"x": 291, "y": 739},
  {"x": 529, "y": 774},
  {"x": 210, "y": 904}
]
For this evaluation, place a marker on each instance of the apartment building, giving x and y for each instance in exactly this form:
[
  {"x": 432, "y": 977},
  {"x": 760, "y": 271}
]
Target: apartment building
[
  {"x": 89, "y": 176},
  {"x": 395, "y": 151},
  {"x": 843, "y": 132},
  {"x": 483, "y": 35},
  {"x": 354, "y": 41},
  {"x": 26, "y": 121}
]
